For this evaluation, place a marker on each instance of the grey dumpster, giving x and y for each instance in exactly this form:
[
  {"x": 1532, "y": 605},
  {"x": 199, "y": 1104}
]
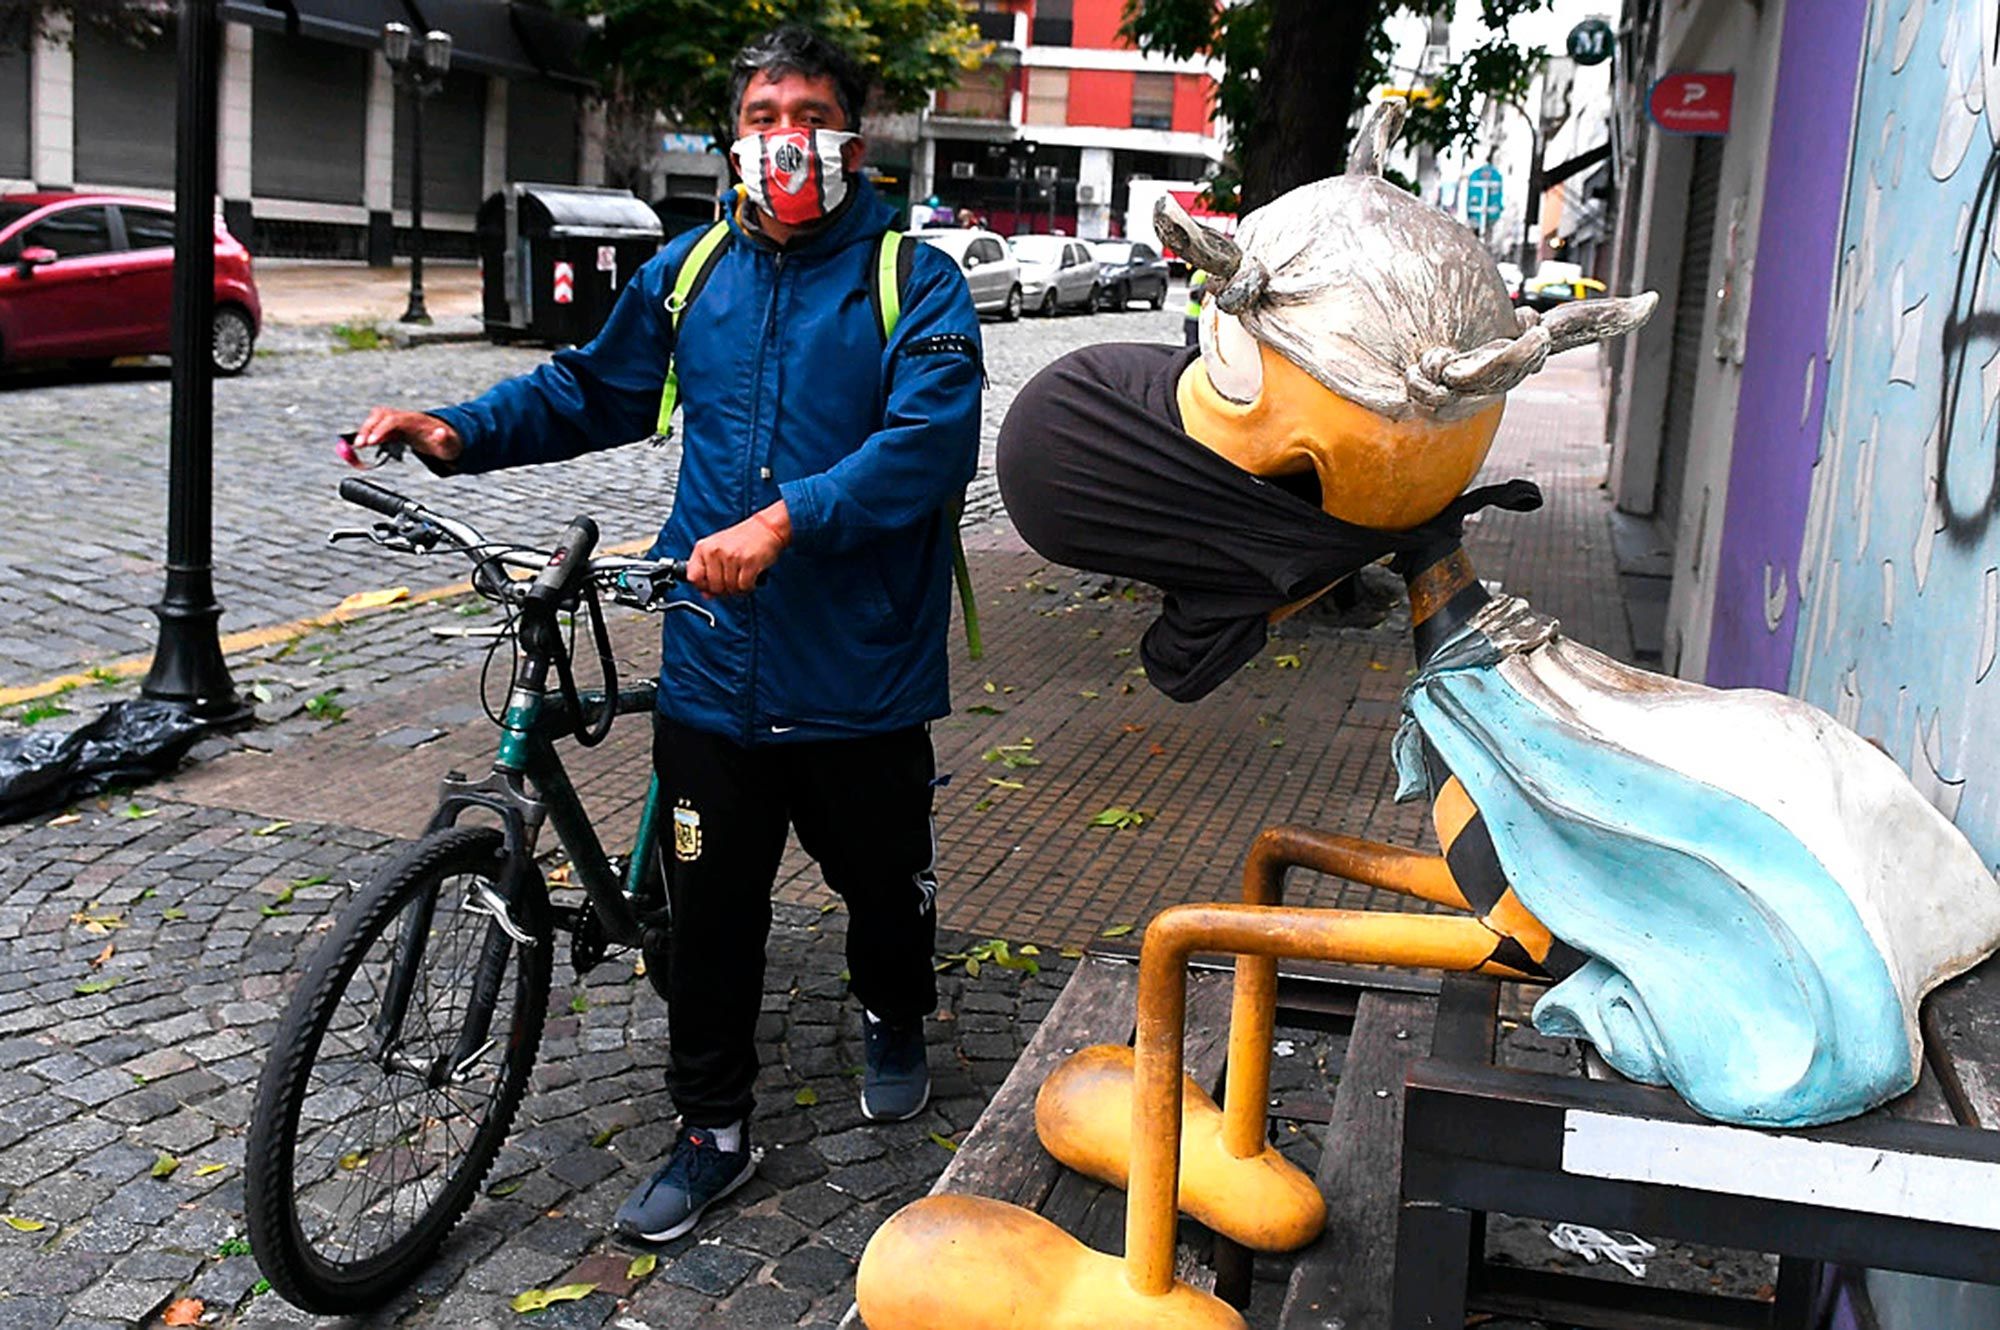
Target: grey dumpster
[{"x": 556, "y": 257}]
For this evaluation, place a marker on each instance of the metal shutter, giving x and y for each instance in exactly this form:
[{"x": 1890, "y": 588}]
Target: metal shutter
[
  {"x": 541, "y": 133},
  {"x": 13, "y": 112},
  {"x": 454, "y": 146},
  {"x": 1691, "y": 305},
  {"x": 124, "y": 111},
  {"x": 309, "y": 126}
]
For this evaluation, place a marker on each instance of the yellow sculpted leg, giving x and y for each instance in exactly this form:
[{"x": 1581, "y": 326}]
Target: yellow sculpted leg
[
  {"x": 1084, "y": 1117},
  {"x": 969, "y": 1263}
]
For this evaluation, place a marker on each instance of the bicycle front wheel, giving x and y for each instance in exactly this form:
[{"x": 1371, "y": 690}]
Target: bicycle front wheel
[{"x": 396, "y": 1073}]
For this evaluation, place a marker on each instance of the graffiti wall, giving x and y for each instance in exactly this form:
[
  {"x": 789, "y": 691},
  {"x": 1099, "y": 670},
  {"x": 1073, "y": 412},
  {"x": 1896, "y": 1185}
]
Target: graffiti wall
[{"x": 1898, "y": 574}]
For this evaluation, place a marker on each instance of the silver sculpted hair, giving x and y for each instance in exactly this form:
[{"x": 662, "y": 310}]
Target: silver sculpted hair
[{"x": 1383, "y": 298}]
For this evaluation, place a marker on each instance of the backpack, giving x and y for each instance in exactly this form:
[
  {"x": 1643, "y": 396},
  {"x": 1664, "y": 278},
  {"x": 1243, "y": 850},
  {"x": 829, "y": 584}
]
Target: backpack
[{"x": 891, "y": 266}]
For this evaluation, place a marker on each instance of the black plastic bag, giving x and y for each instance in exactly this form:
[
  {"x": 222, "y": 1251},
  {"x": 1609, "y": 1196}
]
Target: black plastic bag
[{"x": 130, "y": 741}]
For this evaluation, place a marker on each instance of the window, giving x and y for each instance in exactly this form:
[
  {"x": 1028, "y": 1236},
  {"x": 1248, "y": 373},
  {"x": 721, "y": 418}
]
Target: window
[
  {"x": 146, "y": 229},
  {"x": 989, "y": 251},
  {"x": 993, "y": 19},
  {"x": 1143, "y": 254},
  {"x": 1048, "y": 96},
  {"x": 1052, "y": 23},
  {"x": 1153, "y": 101},
  {"x": 981, "y": 94},
  {"x": 72, "y": 233},
  {"x": 1075, "y": 256}
]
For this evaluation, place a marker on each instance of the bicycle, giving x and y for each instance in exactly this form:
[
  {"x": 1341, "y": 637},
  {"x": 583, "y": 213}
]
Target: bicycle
[{"x": 405, "y": 1051}]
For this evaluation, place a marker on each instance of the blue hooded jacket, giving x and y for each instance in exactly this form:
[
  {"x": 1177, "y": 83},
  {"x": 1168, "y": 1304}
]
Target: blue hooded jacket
[{"x": 786, "y": 390}]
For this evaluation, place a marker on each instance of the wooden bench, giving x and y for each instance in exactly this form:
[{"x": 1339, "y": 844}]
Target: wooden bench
[
  {"x": 1427, "y": 1136},
  {"x": 1914, "y": 1186}
]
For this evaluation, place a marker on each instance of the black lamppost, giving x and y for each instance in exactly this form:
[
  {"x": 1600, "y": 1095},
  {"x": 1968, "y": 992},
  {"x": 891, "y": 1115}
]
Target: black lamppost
[
  {"x": 419, "y": 71},
  {"x": 188, "y": 667}
]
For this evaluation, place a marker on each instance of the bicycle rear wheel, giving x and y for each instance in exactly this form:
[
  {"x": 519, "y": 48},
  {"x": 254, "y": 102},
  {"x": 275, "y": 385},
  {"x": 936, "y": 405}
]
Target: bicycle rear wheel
[{"x": 395, "y": 1074}]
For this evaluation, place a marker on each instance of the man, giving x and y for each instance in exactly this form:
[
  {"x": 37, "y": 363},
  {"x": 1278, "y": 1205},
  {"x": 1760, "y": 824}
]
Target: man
[{"x": 816, "y": 455}]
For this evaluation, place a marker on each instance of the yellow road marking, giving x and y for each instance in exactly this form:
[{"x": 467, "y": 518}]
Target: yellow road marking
[{"x": 257, "y": 639}]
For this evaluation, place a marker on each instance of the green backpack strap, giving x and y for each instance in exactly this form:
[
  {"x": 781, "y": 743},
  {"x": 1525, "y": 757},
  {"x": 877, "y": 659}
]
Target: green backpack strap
[
  {"x": 693, "y": 274},
  {"x": 893, "y": 256}
]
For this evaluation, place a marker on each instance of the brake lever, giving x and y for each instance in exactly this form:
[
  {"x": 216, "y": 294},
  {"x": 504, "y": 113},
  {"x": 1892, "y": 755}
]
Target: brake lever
[{"x": 690, "y": 607}]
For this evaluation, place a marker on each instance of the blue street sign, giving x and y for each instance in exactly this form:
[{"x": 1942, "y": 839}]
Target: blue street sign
[{"x": 1482, "y": 195}]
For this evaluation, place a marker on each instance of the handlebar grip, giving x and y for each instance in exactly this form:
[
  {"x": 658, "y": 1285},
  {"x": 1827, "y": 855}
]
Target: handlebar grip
[
  {"x": 373, "y": 497},
  {"x": 569, "y": 562}
]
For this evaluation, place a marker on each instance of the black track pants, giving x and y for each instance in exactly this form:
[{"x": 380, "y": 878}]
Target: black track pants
[{"x": 862, "y": 809}]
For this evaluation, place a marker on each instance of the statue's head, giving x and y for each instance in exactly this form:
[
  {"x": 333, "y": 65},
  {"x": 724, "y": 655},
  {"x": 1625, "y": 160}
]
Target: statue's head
[{"x": 1357, "y": 332}]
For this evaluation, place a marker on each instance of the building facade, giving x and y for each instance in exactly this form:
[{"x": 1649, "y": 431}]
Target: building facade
[
  {"x": 314, "y": 138},
  {"x": 1047, "y": 134}
]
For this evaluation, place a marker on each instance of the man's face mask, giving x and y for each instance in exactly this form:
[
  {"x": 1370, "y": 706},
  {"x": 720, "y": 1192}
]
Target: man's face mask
[{"x": 795, "y": 175}]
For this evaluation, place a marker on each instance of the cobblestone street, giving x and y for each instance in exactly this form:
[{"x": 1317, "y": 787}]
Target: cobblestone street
[{"x": 83, "y": 464}]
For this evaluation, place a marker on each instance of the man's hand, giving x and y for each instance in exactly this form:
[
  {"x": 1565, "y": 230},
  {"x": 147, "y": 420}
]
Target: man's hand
[
  {"x": 729, "y": 562},
  {"x": 427, "y": 434}
]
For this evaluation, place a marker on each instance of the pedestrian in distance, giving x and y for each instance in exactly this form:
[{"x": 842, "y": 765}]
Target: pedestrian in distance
[{"x": 829, "y": 422}]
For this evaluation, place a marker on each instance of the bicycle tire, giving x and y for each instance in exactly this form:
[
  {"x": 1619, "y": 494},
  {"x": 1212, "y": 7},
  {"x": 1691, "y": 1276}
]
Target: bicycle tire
[{"x": 294, "y": 1260}]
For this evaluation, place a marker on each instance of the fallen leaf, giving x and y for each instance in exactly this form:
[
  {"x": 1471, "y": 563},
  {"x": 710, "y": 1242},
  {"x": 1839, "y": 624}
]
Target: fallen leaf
[
  {"x": 20, "y": 1225},
  {"x": 173, "y": 912},
  {"x": 559, "y": 877},
  {"x": 1377, "y": 665},
  {"x": 829, "y": 907},
  {"x": 207, "y": 1170},
  {"x": 1288, "y": 661},
  {"x": 607, "y": 1136},
  {"x": 1090, "y": 694},
  {"x": 67, "y": 820},
  {"x": 92, "y": 987},
  {"x": 1157, "y": 750},
  {"x": 98, "y": 960},
  {"x": 642, "y": 1266},
  {"x": 806, "y": 1097},
  {"x": 271, "y": 828},
  {"x": 373, "y": 600},
  {"x": 1072, "y": 953},
  {"x": 1131, "y": 728},
  {"x": 183, "y": 1311},
  {"x": 981, "y": 710},
  {"x": 1117, "y": 930},
  {"x": 982, "y": 805},
  {"x": 1029, "y": 949},
  {"x": 135, "y": 812},
  {"x": 507, "y": 1188},
  {"x": 972, "y": 967},
  {"x": 1120, "y": 818},
  {"x": 990, "y": 686},
  {"x": 352, "y": 1160},
  {"x": 1005, "y": 784},
  {"x": 535, "y": 1299},
  {"x": 945, "y": 1141},
  {"x": 579, "y": 1004},
  {"x": 164, "y": 1165}
]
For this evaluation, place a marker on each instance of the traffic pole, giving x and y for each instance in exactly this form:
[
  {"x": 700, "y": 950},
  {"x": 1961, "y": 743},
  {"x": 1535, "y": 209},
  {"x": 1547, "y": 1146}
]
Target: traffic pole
[{"x": 188, "y": 668}]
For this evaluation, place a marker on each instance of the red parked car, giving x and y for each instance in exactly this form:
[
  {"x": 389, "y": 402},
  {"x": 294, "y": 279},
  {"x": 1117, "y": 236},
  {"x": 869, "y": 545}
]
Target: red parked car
[{"x": 90, "y": 277}]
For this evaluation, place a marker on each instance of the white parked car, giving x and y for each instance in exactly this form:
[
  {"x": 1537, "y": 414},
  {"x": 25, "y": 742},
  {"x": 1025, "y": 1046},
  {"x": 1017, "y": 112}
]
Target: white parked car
[
  {"x": 991, "y": 272},
  {"x": 1056, "y": 273}
]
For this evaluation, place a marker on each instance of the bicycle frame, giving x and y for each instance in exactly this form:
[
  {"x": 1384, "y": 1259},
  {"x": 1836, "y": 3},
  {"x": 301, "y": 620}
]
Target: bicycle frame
[{"x": 526, "y": 786}]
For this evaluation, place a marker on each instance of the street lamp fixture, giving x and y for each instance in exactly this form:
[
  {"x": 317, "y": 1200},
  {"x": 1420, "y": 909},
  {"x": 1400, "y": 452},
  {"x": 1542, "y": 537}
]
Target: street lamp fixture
[{"x": 419, "y": 70}]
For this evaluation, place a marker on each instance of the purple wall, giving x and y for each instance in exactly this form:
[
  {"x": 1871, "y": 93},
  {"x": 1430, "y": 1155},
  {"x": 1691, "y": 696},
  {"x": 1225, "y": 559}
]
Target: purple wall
[{"x": 1777, "y": 424}]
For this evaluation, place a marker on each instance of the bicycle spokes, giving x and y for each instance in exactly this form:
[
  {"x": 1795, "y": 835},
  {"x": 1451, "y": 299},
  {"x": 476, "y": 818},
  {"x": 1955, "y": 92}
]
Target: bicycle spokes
[{"x": 393, "y": 1106}]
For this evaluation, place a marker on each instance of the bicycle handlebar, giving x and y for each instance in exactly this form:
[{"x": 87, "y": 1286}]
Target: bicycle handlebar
[
  {"x": 374, "y": 497},
  {"x": 558, "y": 575}
]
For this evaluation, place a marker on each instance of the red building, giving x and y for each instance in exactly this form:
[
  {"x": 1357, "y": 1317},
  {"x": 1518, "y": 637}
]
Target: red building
[{"x": 1065, "y": 112}]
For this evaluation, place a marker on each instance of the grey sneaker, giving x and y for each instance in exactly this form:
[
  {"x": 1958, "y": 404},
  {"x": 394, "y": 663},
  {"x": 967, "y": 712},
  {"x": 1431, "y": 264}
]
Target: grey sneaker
[
  {"x": 696, "y": 1175},
  {"x": 896, "y": 1083}
]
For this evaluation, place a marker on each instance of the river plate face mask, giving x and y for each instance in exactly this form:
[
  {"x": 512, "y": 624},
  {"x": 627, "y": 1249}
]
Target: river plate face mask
[{"x": 794, "y": 175}]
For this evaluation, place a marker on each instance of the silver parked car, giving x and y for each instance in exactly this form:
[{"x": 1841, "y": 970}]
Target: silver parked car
[
  {"x": 991, "y": 272},
  {"x": 1056, "y": 273}
]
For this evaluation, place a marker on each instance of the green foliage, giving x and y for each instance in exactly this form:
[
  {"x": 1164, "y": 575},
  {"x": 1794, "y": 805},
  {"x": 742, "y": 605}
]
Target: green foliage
[
  {"x": 673, "y": 56},
  {"x": 358, "y": 337},
  {"x": 1239, "y": 35}
]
